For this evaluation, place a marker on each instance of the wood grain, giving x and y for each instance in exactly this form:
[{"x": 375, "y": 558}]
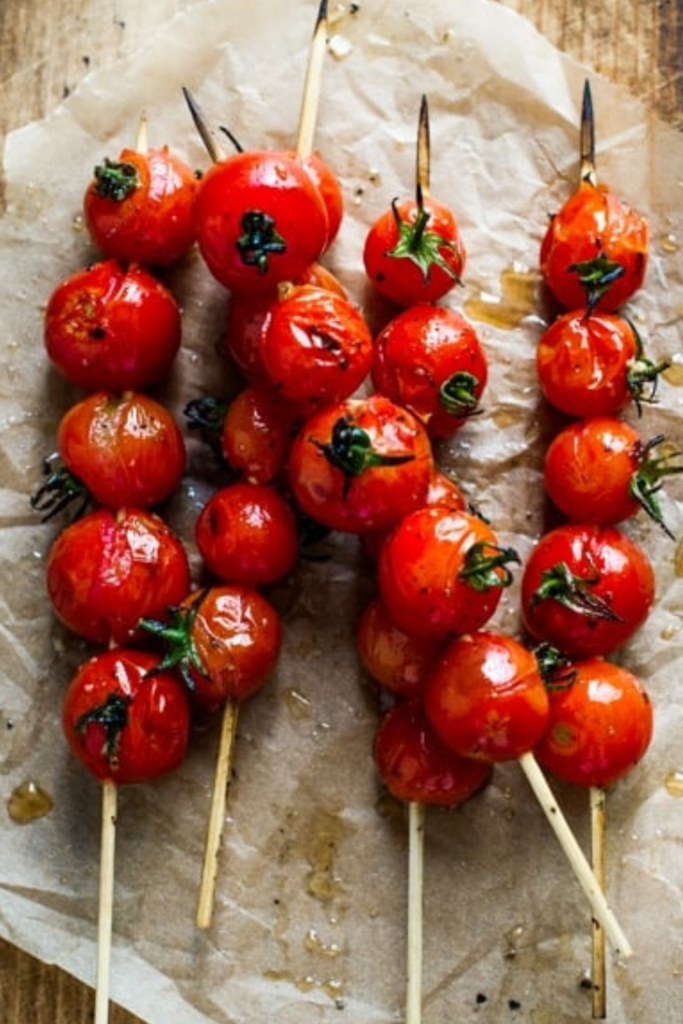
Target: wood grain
[{"x": 46, "y": 49}]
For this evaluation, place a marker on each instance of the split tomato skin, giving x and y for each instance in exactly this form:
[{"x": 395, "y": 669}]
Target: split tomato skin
[
  {"x": 127, "y": 449},
  {"x": 485, "y": 697},
  {"x": 140, "y": 208},
  {"x": 394, "y": 660},
  {"x": 594, "y": 222},
  {"x": 611, "y": 589},
  {"x": 429, "y": 359},
  {"x": 112, "y": 327},
  {"x": 260, "y": 220},
  {"x": 124, "y": 719},
  {"x": 360, "y": 465},
  {"x": 600, "y": 725},
  {"x": 109, "y": 569},
  {"x": 416, "y": 765}
]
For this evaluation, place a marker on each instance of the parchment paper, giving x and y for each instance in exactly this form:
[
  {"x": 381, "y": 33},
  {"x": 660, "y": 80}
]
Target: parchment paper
[{"x": 310, "y": 917}]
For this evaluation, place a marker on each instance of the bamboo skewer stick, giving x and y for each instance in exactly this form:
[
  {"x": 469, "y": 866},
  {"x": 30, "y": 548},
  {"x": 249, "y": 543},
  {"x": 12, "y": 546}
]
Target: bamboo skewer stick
[
  {"x": 598, "y": 968},
  {"x": 416, "y": 826},
  {"x": 106, "y": 902},
  {"x": 587, "y": 170},
  {"x": 310, "y": 100}
]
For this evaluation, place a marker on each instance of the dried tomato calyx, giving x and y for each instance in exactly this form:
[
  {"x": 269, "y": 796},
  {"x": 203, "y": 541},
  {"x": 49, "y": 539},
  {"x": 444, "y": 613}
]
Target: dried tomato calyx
[
  {"x": 177, "y": 635},
  {"x": 259, "y": 240},
  {"x": 350, "y": 450},
  {"x": 206, "y": 415},
  {"x": 647, "y": 479},
  {"x": 556, "y": 669},
  {"x": 116, "y": 180},
  {"x": 560, "y": 584},
  {"x": 596, "y": 277},
  {"x": 112, "y": 718},
  {"x": 458, "y": 394},
  {"x": 60, "y": 490},
  {"x": 419, "y": 245},
  {"x": 486, "y": 566}
]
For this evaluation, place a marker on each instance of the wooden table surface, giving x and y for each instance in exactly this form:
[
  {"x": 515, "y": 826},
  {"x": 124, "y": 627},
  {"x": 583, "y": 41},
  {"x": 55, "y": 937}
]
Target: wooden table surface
[{"x": 45, "y": 51}]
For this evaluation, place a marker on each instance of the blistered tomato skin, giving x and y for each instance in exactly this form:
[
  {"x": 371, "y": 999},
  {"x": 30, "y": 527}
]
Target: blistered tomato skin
[
  {"x": 393, "y": 659},
  {"x": 260, "y": 220},
  {"x": 257, "y": 432},
  {"x": 112, "y": 327},
  {"x": 327, "y": 183},
  {"x": 126, "y": 721},
  {"x": 600, "y": 725},
  {"x": 593, "y": 223}
]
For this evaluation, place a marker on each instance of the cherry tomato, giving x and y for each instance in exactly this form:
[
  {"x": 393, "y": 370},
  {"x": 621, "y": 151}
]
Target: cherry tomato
[
  {"x": 593, "y": 365},
  {"x": 486, "y": 698},
  {"x": 327, "y": 183},
  {"x": 595, "y": 250},
  {"x": 140, "y": 207},
  {"x": 360, "y": 465},
  {"x": 316, "y": 348},
  {"x": 111, "y": 327},
  {"x": 257, "y": 433},
  {"x": 600, "y": 725},
  {"x": 260, "y": 220},
  {"x": 442, "y": 572},
  {"x": 125, "y": 719},
  {"x": 247, "y": 533},
  {"x": 224, "y": 640},
  {"x": 110, "y": 569},
  {"x": 414, "y": 252},
  {"x": 125, "y": 449},
  {"x": 586, "y": 589},
  {"x": 415, "y": 764},
  {"x": 393, "y": 659},
  {"x": 599, "y": 470},
  {"x": 429, "y": 359}
]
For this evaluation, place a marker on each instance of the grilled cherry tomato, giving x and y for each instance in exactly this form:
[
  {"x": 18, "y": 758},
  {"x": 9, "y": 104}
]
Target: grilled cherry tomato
[
  {"x": 110, "y": 569},
  {"x": 486, "y": 698},
  {"x": 112, "y": 327},
  {"x": 139, "y": 208},
  {"x": 586, "y": 589},
  {"x": 122, "y": 449},
  {"x": 442, "y": 572},
  {"x": 600, "y": 724},
  {"x": 595, "y": 250},
  {"x": 599, "y": 470},
  {"x": 415, "y": 764},
  {"x": 247, "y": 533},
  {"x": 126, "y": 719},
  {"x": 429, "y": 359},
  {"x": 316, "y": 348},
  {"x": 593, "y": 365},
  {"x": 360, "y": 465},
  {"x": 260, "y": 220},
  {"x": 257, "y": 433},
  {"x": 393, "y": 659},
  {"x": 224, "y": 641},
  {"x": 327, "y": 183}
]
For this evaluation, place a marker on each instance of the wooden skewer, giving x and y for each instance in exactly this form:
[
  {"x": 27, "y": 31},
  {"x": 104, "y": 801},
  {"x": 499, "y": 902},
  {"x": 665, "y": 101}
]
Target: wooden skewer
[
  {"x": 423, "y": 152},
  {"x": 106, "y": 902},
  {"x": 416, "y": 826},
  {"x": 310, "y": 100},
  {"x": 142, "y": 141},
  {"x": 598, "y": 970},
  {"x": 210, "y": 141},
  {"x": 219, "y": 800},
  {"x": 582, "y": 869},
  {"x": 587, "y": 165}
]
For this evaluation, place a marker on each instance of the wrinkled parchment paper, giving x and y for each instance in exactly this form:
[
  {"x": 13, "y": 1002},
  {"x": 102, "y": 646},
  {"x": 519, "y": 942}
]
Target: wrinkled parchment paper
[{"x": 309, "y": 923}]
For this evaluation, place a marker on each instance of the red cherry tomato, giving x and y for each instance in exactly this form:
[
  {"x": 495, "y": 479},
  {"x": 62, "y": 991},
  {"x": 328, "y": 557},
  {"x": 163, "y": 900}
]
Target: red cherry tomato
[
  {"x": 112, "y": 327},
  {"x": 316, "y": 348},
  {"x": 247, "y": 533},
  {"x": 442, "y": 572},
  {"x": 485, "y": 697},
  {"x": 360, "y": 465},
  {"x": 124, "y": 719},
  {"x": 393, "y": 659},
  {"x": 109, "y": 569},
  {"x": 415, "y": 764},
  {"x": 257, "y": 434},
  {"x": 140, "y": 207},
  {"x": 600, "y": 725},
  {"x": 414, "y": 253},
  {"x": 595, "y": 250},
  {"x": 599, "y": 470},
  {"x": 327, "y": 183},
  {"x": 224, "y": 640},
  {"x": 429, "y": 359},
  {"x": 586, "y": 589},
  {"x": 126, "y": 449},
  {"x": 260, "y": 220},
  {"x": 594, "y": 365}
]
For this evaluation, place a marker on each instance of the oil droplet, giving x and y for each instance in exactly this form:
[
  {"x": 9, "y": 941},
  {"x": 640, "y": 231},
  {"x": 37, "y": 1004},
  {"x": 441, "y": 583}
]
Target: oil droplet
[
  {"x": 678, "y": 559},
  {"x": 28, "y": 802},
  {"x": 517, "y": 299},
  {"x": 673, "y": 783},
  {"x": 674, "y": 373},
  {"x": 669, "y": 244},
  {"x": 297, "y": 705},
  {"x": 670, "y": 631},
  {"x": 325, "y": 836},
  {"x": 314, "y": 944},
  {"x": 504, "y": 418}
]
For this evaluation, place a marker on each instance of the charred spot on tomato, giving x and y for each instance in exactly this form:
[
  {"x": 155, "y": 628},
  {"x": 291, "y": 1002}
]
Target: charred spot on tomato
[
  {"x": 109, "y": 718},
  {"x": 98, "y": 333},
  {"x": 259, "y": 240},
  {"x": 116, "y": 180}
]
